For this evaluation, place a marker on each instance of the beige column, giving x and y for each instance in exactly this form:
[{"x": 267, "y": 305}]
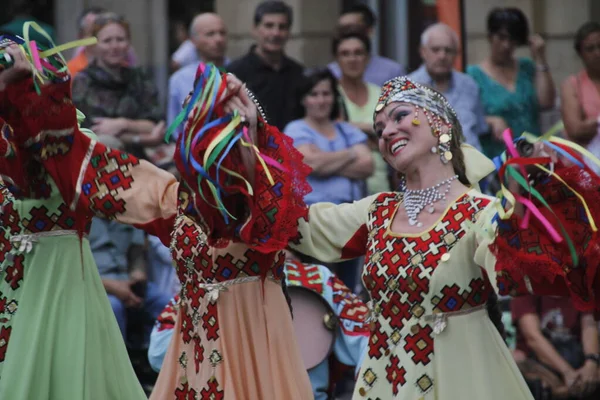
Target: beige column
[{"x": 312, "y": 28}]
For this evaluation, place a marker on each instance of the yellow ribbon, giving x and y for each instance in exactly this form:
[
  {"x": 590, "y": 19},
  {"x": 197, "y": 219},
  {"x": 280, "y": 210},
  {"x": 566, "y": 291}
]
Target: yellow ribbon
[{"x": 260, "y": 159}]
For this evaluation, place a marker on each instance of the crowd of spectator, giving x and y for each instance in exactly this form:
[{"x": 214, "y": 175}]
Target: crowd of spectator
[{"x": 328, "y": 112}]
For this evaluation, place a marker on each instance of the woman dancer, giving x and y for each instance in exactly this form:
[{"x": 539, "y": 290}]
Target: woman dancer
[
  {"x": 433, "y": 256},
  {"x": 234, "y": 330},
  {"x": 58, "y": 335}
]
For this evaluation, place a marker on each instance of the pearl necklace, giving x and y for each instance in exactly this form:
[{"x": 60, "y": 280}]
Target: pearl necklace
[{"x": 417, "y": 200}]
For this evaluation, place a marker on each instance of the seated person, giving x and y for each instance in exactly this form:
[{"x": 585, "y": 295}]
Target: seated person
[
  {"x": 352, "y": 334},
  {"x": 561, "y": 345},
  {"x": 119, "y": 251}
]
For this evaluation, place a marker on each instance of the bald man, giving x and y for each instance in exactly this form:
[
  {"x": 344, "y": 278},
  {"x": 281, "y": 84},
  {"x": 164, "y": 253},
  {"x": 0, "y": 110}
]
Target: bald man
[
  {"x": 439, "y": 48},
  {"x": 208, "y": 35}
]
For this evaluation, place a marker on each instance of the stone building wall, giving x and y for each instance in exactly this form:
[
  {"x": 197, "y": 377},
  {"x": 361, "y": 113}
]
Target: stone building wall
[{"x": 314, "y": 21}]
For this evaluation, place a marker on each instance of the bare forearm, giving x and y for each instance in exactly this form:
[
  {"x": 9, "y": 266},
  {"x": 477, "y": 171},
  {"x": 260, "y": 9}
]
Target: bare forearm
[
  {"x": 545, "y": 87},
  {"x": 581, "y": 131},
  {"x": 360, "y": 169},
  {"x": 544, "y": 350},
  {"x": 589, "y": 335},
  {"x": 329, "y": 163},
  {"x": 144, "y": 139},
  {"x": 109, "y": 285},
  {"x": 142, "y": 126}
]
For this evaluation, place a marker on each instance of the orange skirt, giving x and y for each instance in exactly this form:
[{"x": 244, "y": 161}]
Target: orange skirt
[{"x": 240, "y": 346}]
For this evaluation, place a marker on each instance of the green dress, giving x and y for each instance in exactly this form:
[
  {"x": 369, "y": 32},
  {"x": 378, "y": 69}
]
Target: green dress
[
  {"x": 59, "y": 339},
  {"x": 520, "y": 109}
]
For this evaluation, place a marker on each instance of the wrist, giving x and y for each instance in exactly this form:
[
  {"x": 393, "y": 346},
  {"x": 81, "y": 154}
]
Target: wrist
[
  {"x": 135, "y": 139},
  {"x": 122, "y": 125},
  {"x": 352, "y": 154},
  {"x": 592, "y": 359}
]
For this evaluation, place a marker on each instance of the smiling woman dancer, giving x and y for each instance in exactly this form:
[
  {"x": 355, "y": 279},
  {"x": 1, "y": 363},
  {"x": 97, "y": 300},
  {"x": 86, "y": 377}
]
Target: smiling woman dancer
[{"x": 434, "y": 254}]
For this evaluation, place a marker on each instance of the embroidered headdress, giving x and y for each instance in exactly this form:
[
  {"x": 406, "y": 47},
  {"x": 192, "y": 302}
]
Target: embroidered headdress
[{"x": 402, "y": 89}]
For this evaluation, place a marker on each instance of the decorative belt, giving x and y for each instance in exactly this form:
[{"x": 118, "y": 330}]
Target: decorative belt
[
  {"x": 440, "y": 320},
  {"x": 26, "y": 241},
  {"x": 214, "y": 289}
]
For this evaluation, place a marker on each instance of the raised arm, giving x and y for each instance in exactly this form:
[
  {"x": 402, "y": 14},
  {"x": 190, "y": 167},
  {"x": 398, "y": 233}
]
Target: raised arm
[
  {"x": 334, "y": 232},
  {"x": 92, "y": 178},
  {"x": 528, "y": 261}
]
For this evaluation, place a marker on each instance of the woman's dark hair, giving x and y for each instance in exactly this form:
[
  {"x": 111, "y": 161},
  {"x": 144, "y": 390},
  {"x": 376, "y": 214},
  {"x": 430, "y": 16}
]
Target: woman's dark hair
[
  {"x": 510, "y": 19},
  {"x": 365, "y": 11},
  {"x": 311, "y": 79},
  {"x": 583, "y": 32},
  {"x": 350, "y": 34}
]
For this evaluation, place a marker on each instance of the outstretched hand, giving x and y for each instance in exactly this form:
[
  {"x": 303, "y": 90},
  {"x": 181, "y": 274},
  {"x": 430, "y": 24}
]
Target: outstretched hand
[{"x": 19, "y": 70}]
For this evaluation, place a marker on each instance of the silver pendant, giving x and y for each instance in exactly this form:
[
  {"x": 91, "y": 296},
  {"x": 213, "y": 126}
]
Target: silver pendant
[
  {"x": 431, "y": 209},
  {"x": 412, "y": 222}
]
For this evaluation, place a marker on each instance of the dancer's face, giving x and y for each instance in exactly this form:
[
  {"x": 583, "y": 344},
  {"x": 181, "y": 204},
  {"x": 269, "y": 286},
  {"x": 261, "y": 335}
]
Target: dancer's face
[{"x": 402, "y": 143}]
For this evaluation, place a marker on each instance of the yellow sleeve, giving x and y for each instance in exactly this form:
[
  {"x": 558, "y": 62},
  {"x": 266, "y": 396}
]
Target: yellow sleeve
[{"x": 335, "y": 232}]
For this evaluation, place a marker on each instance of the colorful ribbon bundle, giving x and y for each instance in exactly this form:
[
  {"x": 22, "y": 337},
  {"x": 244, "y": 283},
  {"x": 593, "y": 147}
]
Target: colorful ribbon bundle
[
  {"x": 209, "y": 137},
  {"x": 47, "y": 64},
  {"x": 513, "y": 165}
]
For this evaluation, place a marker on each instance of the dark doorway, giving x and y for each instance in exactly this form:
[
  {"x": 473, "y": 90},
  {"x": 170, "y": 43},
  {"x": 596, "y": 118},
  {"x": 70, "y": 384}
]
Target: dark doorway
[
  {"x": 42, "y": 10},
  {"x": 181, "y": 13}
]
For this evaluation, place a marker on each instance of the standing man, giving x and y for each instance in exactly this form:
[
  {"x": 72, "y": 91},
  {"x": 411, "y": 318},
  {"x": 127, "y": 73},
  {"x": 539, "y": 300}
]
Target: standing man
[
  {"x": 272, "y": 76},
  {"x": 208, "y": 33},
  {"x": 439, "y": 48},
  {"x": 379, "y": 69},
  {"x": 119, "y": 252}
]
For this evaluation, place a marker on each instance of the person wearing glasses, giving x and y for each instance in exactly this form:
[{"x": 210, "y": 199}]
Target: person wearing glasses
[{"x": 351, "y": 50}]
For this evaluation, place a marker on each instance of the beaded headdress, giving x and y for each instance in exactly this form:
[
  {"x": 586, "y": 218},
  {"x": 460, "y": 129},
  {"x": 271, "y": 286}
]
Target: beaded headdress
[
  {"x": 433, "y": 104},
  {"x": 402, "y": 89}
]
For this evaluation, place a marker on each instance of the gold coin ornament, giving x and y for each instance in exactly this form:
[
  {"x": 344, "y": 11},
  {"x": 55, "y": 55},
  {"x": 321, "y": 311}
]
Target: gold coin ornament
[{"x": 444, "y": 138}]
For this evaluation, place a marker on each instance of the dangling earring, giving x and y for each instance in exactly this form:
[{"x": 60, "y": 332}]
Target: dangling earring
[
  {"x": 444, "y": 146},
  {"x": 415, "y": 121}
]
